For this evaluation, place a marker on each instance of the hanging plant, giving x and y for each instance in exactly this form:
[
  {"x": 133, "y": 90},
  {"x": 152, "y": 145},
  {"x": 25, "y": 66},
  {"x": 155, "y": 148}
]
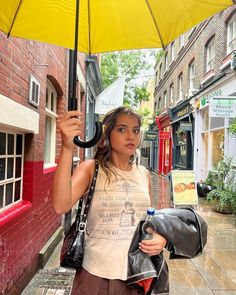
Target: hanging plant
[{"x": 232, "y": 127}]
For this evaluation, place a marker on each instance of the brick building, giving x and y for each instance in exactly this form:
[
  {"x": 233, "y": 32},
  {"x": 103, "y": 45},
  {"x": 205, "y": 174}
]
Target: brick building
[
  {"x": 33, "y": 95},
  {"x": 193, "y": 68}
]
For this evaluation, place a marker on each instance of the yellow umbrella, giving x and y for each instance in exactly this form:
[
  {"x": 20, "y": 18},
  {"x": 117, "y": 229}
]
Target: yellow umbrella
[
  {"x": 105, "y": 25},
  {"x": 95, "y": 26}
]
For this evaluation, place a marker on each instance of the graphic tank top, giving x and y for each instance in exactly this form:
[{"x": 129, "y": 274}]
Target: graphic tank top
[{"x": 115, "y": 211}]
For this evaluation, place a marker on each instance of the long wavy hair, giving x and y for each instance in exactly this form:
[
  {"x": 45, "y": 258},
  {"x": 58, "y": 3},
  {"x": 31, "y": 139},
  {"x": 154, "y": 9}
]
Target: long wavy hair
[{"x": 103, "y": 150}]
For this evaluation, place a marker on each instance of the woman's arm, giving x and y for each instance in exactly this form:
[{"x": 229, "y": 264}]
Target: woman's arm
[{"x": 67, "y": 189}]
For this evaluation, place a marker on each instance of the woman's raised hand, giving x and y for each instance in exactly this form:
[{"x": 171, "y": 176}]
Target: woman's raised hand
[{"x": 70, "y": 126}]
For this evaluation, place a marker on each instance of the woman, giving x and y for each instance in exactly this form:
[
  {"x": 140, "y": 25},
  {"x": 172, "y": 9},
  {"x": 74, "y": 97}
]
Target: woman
[{"x": 121, "y": 197}]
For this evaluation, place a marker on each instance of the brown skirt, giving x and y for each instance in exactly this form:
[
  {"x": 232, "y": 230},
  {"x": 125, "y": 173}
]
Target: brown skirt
[{"x": 88, "y": 284}]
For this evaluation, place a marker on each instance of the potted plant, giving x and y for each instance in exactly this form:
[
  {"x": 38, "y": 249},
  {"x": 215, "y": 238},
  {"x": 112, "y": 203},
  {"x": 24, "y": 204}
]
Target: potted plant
[{"x": 223, "y": 197}]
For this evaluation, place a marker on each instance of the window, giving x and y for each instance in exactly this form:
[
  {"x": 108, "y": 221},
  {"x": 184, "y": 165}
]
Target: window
[
  {"x": 210, "y": 54},
  {"x": 166, "y": 62},
  {"x": 156, "y": 78},
  {"x": 231, "y": 34},
  {"x": 172, "y": 52},
  {"x": 191, "y": 75},
  {"x": 180, "y": 84},
  {"x": 11, "y": 168},
  {"x": 160, "y": 72},
  {"x": 181, "y": 41},
  {"x": 165, "y": 99},
  {"x": 159, "y": 103},
  {"x": 50, "y": 125},
  {"x": 172, "y": 93}
]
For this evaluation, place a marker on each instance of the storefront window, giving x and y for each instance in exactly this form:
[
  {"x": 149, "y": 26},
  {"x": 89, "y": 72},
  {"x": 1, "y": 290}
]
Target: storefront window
[
  {"x": 205, "y": 115},
  {"x": 217, "y": 146},
  {"x": 181, "y": 147}
]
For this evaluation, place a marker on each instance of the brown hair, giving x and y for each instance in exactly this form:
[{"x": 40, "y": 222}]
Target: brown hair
[{"x": 103, "y": 151}]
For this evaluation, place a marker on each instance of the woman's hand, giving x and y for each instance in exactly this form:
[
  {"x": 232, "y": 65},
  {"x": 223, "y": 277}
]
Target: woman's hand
[
  {"x": 70, "y": 126},
  {"x": 154, "y": 246}
]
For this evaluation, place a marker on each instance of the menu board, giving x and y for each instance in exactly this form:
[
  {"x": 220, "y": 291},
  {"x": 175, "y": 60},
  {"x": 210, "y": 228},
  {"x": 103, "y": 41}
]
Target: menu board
[{"x": 184, "y": 187}]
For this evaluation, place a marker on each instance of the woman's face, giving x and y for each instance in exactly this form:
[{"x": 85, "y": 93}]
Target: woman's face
[{"x": 125, "y": 135}]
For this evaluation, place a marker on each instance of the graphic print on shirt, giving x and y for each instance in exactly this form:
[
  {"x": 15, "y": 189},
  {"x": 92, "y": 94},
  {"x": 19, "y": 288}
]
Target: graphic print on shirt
[{"x": 115, "y": 212}]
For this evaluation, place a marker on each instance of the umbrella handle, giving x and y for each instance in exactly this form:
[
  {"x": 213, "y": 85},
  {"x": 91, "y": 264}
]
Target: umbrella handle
[{"x": 94, "y": 140}]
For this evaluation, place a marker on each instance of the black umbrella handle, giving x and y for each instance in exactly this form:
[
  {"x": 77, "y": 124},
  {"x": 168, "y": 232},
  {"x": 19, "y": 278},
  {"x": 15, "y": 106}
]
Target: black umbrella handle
[{"x": 94, "y": 140}]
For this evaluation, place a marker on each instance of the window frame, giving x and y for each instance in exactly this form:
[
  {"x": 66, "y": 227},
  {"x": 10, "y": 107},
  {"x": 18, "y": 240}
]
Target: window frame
[
  {"x": 192, "y": 76},
  {"x": 14, "y": 179},
  {"x": 50, "y": 114},
  {"x": 210, "y": 54},
  {"x": 232, "y": 22}
]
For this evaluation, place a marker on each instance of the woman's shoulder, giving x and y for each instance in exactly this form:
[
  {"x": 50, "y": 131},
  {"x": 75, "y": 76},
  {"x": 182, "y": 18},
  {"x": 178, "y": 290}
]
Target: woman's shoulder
[
  {"x": 87, "y": 166},
  {"x": 143, "y": 169}
]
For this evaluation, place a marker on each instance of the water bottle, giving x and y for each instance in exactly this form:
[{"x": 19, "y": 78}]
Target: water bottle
[{"x": 147, "y": 227}]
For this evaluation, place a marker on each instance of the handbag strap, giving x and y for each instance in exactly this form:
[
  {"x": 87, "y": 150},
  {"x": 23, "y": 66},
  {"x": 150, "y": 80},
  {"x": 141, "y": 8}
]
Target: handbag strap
[{"x": 81, "y": 218}]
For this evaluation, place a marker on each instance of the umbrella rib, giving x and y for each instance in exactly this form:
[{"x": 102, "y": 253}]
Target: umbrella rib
[
  {"x": 155, "y": 23},
  {"x": 14, "y": 18}
]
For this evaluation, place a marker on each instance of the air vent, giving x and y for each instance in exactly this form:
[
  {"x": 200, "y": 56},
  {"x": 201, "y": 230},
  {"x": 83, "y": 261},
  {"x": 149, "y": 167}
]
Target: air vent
[{"x": 34, "y": 91}]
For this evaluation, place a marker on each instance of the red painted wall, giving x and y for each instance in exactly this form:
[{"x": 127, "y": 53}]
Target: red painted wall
[{"x": 27, "y": 226}]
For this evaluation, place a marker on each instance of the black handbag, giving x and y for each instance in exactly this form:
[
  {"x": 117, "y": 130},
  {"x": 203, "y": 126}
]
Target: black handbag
[{"x": 72, "y": 250}]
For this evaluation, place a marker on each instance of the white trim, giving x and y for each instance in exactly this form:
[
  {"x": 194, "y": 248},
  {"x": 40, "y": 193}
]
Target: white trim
[
  {"x": 23, "y": 118},
  {"x": 208, "y": 78}
]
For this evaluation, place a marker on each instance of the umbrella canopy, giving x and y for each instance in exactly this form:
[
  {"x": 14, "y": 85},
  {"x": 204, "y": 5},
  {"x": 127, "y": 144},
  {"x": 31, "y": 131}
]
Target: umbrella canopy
[{"x": 105, "y": 25}]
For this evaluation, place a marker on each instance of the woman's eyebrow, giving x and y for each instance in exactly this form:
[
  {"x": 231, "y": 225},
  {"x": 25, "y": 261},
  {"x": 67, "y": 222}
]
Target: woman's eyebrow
[
  {"x": 124, "y": 125},
  {"x": 121, "y": 125}
]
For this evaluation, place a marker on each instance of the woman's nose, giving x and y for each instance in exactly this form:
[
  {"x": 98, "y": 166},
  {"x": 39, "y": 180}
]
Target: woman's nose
[{"x": 130, "y": 134}]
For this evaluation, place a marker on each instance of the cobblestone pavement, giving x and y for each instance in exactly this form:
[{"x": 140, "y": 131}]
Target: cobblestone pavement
[{"x": 212, "y": 273}]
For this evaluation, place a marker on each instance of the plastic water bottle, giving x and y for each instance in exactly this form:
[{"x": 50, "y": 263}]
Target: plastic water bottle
[{"x": 147, "y": 227}]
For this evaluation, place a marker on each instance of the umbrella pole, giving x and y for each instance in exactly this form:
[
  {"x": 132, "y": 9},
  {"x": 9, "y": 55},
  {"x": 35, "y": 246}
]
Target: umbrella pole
[{"x": 72, "y": 99}]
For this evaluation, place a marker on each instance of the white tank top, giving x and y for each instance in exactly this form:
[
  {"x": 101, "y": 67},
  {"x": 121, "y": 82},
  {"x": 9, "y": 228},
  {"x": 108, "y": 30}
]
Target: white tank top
[{"x": 115, "y": 211}]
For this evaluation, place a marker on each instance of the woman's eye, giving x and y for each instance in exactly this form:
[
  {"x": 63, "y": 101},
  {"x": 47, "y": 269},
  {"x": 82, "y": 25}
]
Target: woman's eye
[
  {"x": 136, "y": 131},
  {"x": 121, "y": 129}
]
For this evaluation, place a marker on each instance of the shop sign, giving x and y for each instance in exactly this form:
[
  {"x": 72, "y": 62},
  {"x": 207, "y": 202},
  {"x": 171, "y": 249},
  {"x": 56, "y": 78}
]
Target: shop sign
[
  {"x": 183, "y": 112},
  {"x": 185, "y": 126},
  {"x": 164, "y": 135},
  {"x": 184, "y": 187},
  {"x": 204, "y": 101},
  {"x": 150, "y": 135},
  {"x": 223, "y": 107}
]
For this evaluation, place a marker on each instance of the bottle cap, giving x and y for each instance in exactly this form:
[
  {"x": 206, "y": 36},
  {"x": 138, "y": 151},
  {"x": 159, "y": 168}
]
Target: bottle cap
[{"x": 150, "y": 211}]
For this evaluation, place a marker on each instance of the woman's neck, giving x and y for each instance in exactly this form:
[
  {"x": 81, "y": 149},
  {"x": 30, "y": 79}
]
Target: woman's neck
[{"x": 121, "y": 163}]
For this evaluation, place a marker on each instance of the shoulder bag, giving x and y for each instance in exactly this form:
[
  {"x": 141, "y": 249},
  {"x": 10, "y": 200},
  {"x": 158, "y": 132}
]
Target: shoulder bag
[{"x": 72, "y": 250}]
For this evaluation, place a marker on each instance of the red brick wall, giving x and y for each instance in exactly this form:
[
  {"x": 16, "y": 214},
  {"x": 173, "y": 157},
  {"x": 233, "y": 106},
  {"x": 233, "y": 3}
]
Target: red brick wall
[{"x": 26, "y": 227}]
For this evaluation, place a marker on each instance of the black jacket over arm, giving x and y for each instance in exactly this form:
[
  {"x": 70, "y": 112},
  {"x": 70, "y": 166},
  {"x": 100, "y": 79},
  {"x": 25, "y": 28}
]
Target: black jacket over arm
[{"x": 186, "y": 233}]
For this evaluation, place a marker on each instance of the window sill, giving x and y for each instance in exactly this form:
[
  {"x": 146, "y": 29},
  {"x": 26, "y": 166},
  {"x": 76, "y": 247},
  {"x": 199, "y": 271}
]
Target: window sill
[
  {"x": 48, "y": 168},
  {"x": 15, "y": 213}
]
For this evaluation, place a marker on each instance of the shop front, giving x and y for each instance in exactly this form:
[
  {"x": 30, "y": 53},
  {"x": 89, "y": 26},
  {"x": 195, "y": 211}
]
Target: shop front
[
  {"x": 213, "y": 140},
  {"x": 182, "y": 132},
  {"x": 164, "y": 144}
]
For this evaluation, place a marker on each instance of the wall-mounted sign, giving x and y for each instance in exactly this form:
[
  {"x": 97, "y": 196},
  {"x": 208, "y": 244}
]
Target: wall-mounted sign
[
  {"x": 150, "y": 135},
  {"x": 185, "y": 126},
  {"x": 184, "y": 187},
  {"x": 223, "y": 107},
  {"x": 164, "y": 135},
  {"x": 204, "y": 101},
  {"x": 184, "y": 112}
]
